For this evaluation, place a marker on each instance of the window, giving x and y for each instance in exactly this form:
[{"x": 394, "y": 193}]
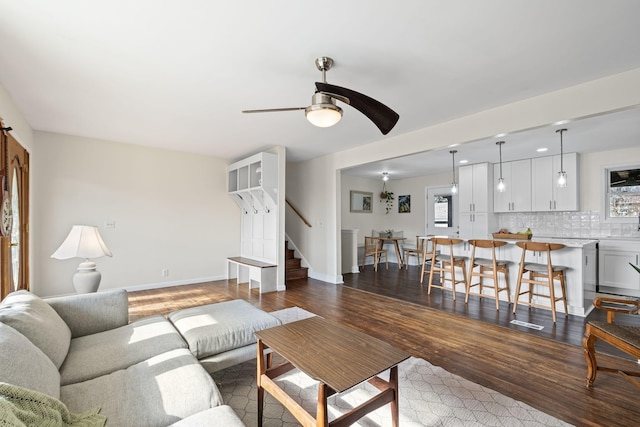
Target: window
[
  {"x": 623, "y": 194},
  {"x": 443, "y": 214}
]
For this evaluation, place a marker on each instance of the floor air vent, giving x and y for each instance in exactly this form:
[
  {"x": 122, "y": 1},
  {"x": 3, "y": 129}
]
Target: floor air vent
[{"x": 527, "y": 325}]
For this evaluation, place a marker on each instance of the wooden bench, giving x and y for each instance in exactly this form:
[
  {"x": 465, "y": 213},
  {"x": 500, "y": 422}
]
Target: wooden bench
[{"x": 257, "y": 273}]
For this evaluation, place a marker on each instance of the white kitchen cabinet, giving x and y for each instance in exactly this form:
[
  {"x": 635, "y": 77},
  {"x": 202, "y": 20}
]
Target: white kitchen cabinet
[
  {"x": 517, "y": 179},
  {"x": 545, "y": 193},
  {"x": 475, "y": 193},
  {"x": 475, "y": 201},
  {"x": 476, "y": 225},
  {"x": 616, "y": 275}
]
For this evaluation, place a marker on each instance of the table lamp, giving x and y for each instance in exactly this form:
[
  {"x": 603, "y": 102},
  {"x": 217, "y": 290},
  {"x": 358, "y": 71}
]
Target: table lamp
[{"x": 84, "y": 241}]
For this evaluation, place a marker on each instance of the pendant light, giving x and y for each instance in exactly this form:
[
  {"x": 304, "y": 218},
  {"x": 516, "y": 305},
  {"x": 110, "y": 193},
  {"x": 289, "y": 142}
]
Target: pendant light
[
  {"x": 454, "y": 186},
  {"x": 501, "y": 186},
  {"x": 562, "y": 175}
]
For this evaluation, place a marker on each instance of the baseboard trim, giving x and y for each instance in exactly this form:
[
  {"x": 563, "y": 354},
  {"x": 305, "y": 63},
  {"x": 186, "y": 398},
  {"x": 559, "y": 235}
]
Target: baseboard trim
[
  {"x": 336, "y": 280},
  {"x": 173, "y": 283}
]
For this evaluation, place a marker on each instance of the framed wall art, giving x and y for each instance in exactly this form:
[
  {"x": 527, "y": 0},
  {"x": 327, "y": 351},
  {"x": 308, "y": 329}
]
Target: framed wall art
[
  {"x": 404, "y": 204},
  {"x": 361, "y": 201}
]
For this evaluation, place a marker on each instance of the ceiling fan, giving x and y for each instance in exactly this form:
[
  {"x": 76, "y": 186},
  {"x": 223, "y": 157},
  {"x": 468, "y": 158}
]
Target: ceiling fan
[{"x": 324, "y": 112}]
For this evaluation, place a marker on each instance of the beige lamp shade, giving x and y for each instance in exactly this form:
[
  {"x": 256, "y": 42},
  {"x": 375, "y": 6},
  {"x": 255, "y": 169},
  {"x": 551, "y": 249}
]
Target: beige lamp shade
[{"x": 83, "y": 241}]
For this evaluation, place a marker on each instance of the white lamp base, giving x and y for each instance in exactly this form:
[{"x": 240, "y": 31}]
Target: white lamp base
[{"x": 87, "y": 279}]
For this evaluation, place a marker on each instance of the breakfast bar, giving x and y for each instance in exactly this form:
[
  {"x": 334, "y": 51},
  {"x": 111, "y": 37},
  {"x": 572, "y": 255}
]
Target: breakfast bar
[{"x": 579, "y": 255}]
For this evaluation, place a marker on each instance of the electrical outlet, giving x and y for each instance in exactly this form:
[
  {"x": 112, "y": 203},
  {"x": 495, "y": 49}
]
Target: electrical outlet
[
  {"x": 165, "y": 272},
  {"x": 110, "y": 224}
]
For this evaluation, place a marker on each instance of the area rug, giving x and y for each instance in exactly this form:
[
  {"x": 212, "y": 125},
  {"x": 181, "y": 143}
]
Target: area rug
[{"x": 429, "y": 396}]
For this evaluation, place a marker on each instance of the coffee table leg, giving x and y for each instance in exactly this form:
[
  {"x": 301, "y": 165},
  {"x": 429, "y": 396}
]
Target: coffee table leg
[
  {"x": 261, "y": 370},
  {"x": 322, "y": 417},
  {"x": 393, "y": 383}
]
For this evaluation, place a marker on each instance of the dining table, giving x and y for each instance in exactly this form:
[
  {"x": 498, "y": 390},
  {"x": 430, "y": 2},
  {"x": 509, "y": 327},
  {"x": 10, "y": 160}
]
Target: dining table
[{"x": 394, "y": 240}]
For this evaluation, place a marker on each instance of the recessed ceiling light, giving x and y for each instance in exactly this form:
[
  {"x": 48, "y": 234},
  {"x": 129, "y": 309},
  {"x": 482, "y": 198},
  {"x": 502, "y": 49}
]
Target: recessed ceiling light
[
  {"x": 561, "y": 122},
  {"x": 542, "y": 150},
  {"x": 453, "y": 145},
  {"x": 462, "y": 162},
  {"x": 500, "y": 135}
]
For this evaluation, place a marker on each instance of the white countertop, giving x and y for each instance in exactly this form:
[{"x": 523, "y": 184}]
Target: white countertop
[{"x": 567, "y": 241}]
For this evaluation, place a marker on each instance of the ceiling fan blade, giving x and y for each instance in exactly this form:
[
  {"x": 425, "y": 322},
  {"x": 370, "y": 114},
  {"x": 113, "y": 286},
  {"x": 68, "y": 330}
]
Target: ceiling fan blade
[
  {"x": 381, "y": 115},
  {"x": 273, "y": 110}
]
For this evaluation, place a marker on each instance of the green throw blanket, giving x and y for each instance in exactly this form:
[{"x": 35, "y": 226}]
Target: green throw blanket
[{"x": 23, "y": 407}]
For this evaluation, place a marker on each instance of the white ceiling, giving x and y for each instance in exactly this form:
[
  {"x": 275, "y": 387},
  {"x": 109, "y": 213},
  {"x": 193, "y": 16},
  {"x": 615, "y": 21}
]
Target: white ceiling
[
  {"x": 615, "y": 130},
  {"x": 176, "y": 74}
]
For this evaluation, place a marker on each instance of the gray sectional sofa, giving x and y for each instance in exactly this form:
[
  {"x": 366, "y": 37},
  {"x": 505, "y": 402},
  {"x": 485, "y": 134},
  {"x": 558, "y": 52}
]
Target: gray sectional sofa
[{"x": 79, "y": 353}]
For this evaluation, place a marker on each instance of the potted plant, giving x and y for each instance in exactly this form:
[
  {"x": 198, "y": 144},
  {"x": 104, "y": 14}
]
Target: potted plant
[{"x": 387, "y": 197}]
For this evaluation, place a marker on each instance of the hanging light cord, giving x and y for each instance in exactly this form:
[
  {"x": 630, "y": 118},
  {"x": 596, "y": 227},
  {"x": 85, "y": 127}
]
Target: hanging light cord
[
  {"x": 453, "y": 164},
  {"x": 500, "y": 148},
  {"x": 561, "y": 149}
]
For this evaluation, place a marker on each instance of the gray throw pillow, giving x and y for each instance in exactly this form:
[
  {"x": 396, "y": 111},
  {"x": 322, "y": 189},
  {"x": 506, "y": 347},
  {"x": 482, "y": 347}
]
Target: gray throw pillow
[
  {"x": 36, "y": 320},
  {"x": 25, "y": 365}
]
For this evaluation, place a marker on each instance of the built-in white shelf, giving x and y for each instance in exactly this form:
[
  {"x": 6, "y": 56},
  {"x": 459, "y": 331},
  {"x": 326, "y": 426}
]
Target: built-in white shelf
[{"x": 253, "y": 182}]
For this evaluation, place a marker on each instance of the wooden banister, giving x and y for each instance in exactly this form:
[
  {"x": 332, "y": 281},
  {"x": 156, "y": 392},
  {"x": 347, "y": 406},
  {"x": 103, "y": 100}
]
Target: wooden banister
[{"x": 307, "y": 223}]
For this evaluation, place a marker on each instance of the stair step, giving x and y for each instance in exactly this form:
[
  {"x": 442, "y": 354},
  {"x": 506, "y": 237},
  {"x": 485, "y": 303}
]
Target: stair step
[
  {"x": 293, "y": 263},
  {"x": 296, "y": 273},
  {"x": 289, "y": 254}
]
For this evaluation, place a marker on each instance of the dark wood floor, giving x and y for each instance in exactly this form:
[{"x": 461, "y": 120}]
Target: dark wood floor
[
  {"x": 545, "y": 373},
  {"x": 405, "y": 285}
]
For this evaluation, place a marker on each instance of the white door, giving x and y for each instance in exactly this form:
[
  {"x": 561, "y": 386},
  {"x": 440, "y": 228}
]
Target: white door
[{"x": 441, "y": 212}]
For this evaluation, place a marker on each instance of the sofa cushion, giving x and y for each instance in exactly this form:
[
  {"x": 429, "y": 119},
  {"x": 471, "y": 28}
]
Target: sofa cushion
[
  {"x": 25, "y": 365},
  {"x": 21, "y": 406},
  {"x": 158, "y": 391},
  {"x": 214, "y": 328},
  {"x": 99, "y": 354},
  {"x": 37, "y": 321},
  {"x": 219, "y": 416}
]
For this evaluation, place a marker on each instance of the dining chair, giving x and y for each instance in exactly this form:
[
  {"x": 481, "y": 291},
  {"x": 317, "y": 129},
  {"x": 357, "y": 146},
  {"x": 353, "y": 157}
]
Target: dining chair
[
  {"x": 416, "y": 251},
  {"x": 487, "y": 268},
  {"x": 444, "y": 264},
  {"x": 373, "y": 247},
  {"x": 541, "y": 275}
]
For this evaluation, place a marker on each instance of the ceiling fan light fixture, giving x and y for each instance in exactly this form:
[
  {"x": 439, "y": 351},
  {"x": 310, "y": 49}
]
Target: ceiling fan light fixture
[{"x": 323, "y": 112}]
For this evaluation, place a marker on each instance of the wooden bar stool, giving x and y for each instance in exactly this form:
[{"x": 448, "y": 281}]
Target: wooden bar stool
[
  {"x": 446, "y": 263},
  {"x": 488, "y": 268},
  {"x": 427, "y": 254},
  {"x": 537, "y": 271}
]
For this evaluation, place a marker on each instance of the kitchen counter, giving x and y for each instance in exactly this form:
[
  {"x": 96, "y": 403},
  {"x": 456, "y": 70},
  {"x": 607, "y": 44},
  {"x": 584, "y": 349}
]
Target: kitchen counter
[{"x": 579, "y": 255}]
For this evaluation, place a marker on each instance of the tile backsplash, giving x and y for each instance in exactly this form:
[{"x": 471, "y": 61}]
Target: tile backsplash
[{"x": 566, "y": 224}]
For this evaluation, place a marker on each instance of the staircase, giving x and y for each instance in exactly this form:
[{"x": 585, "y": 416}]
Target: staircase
[{"x": 293, "y": 268}]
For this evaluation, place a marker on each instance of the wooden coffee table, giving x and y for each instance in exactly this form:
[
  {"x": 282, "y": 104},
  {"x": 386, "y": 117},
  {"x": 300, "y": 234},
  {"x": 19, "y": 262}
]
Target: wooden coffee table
[{"x": 338, "y": 357}]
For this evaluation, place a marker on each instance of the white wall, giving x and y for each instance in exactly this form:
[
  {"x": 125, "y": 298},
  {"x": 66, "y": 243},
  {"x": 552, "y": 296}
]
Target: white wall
[
  {"x": 12, "y": 117},
  {"x": 592, "y": 167},
  {"x": 171, "y": 211},
  {"x": 312, "y": 188},
  {"x": 318, "y": 178},
  {"x": 411, "y": 223}
]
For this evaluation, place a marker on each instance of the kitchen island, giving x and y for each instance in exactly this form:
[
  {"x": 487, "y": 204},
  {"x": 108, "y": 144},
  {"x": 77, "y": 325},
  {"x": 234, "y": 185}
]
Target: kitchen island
[{"x": 578, "y": 255}]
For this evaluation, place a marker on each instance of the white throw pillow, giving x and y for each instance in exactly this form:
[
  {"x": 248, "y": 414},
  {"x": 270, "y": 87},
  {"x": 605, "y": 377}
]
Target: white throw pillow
[{"x": 39, "y": 322}]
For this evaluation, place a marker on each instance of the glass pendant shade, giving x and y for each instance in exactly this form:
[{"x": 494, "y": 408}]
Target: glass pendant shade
[
  {"x": 562, "y": 179},
  {"x": 454, "y": 186},
  {"x": 562, "y": 175},
  {"x": 501, "y": 187}
]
